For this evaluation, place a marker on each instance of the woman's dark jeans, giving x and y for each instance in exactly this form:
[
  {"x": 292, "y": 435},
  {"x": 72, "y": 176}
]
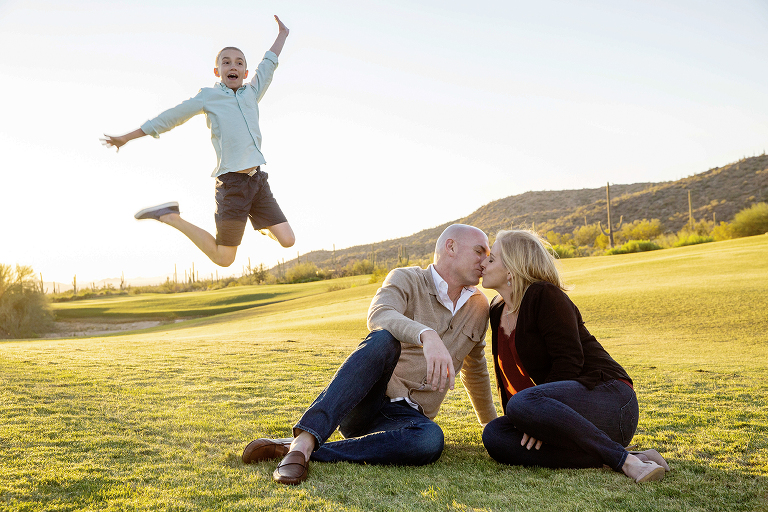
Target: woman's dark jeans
[
  {"x": 377, "y": 431},
  {"x": 579, "y": 428}
]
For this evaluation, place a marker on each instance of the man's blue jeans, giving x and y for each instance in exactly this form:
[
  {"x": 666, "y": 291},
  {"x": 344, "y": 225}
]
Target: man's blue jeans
[
  {"x": 377, "y": 431},
  {"x": 580, "y": 428}
]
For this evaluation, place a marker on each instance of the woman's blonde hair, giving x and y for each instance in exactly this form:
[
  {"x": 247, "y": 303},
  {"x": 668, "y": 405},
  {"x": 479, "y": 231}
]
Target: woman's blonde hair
[{"x": 529, "y": 258}]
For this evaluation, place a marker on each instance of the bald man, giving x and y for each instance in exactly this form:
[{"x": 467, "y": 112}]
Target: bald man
[{"x": 426, "y": 326}]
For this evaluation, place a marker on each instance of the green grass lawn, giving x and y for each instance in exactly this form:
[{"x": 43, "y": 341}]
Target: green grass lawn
[
  {"x": 158, "y": 306},
  {"x": 157, "y": 419}
]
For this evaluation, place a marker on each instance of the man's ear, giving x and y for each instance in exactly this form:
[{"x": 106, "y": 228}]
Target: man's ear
[
  {"x": 245, "y": 75},
  {"x": 216, "y": 72}
]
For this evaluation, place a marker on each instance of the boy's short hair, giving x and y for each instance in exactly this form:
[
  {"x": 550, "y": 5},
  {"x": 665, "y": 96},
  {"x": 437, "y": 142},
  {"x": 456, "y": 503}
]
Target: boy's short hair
[{"x": 218, "y": 56}]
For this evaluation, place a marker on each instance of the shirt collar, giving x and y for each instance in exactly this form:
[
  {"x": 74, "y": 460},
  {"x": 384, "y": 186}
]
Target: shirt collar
[
  {"x": 225, "y": 88},
  {"x": 442, "y": 292}
]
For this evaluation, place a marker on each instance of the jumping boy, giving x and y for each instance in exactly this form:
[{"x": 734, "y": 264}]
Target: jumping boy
[{"x": 232, "y": 113}]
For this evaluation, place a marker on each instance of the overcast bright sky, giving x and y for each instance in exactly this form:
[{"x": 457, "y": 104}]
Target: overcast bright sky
[{"x": 383, "y": 119}]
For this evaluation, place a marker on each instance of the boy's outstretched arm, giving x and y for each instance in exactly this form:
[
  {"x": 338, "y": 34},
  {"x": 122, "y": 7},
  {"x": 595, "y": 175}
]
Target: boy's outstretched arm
[
  {"x": 282, "y": 34},
  {"x": 118, "y": 141}
]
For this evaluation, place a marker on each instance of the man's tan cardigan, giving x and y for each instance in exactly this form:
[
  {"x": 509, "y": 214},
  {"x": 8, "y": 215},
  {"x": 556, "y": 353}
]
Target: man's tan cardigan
[{"x": 405, "y": 305}]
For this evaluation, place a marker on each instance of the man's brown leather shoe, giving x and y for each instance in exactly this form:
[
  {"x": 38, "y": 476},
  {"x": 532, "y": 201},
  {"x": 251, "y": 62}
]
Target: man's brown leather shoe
[
  {"x": 265, "y": 449},
  {"x": 292, "y": 470}
]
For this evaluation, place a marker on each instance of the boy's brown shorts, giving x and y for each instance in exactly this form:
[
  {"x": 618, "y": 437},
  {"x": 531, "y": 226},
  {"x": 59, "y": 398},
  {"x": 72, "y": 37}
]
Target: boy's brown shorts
[{"x": 238, "y": 197}]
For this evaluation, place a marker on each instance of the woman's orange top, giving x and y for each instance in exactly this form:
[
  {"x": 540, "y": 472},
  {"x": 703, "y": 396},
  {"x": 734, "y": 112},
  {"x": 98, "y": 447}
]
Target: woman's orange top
[{"x": 514, "y": 376}]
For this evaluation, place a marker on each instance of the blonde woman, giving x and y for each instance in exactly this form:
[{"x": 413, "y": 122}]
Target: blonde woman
[{"x": 567, "y": 403}]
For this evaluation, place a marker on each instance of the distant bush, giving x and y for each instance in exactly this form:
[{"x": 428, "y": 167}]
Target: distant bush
[
  {"x": 303, "y": 273},
  {"x": 751, "y": 221},
  {"x": 360, "y": 267},
  {"x": 692, "y": 239},
  {"x": 586, "y": 235},
  {"x": 602, "y": 241},
  {"x": 722, "y": 231},
  {"x": 634, "y": 246},
  {"x": 378, "y": 275},
  {"x": 24, "y": 309},
  {"x": 702, "y": 228},
  {"x": 555, "y": 238},
  {"x": 641, "y": 230},
  {"x": 565, "y": 251}
]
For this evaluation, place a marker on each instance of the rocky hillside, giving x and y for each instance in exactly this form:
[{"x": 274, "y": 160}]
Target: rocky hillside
[{"x": 718, "y": 193}]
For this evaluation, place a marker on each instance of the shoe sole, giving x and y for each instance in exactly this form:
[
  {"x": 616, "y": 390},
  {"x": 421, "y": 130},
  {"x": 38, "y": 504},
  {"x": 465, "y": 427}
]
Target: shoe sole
[
  {"x": 655, "y": 475},
  {"x": 145, "y": 211}
]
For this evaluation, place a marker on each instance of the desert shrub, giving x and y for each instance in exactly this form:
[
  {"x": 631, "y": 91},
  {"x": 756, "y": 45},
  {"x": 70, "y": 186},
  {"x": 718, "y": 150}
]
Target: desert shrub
[
  {"x": 378, "y": 275},
  {"x": 555, "y": 238},
  {"x": 565, "y": 251},
  {"x": 303, "y": 273},
  {"x": 692, "y": 239},
  {"x": 751, "y": 221},
  {"x": 586, "y": 235},
  {"x": 722, "y": 231},
  {"x": 24, "y": 308},
  {"x": 641, "y": 230},
  {"x": 667, "y": 240},
  {"x": 360, "y": 267},
  {"x": 701, "y": 228},
  {"x": 634, "y": 246},
  {"x": 602, "y": 241}
]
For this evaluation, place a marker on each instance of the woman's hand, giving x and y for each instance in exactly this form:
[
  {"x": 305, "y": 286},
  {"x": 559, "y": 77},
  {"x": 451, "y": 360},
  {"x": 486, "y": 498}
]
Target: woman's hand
[{"x": 530, "y": 442}]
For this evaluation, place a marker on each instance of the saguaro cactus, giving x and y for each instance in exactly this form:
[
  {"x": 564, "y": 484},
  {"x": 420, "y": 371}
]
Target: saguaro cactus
[
  {"x": 402, "y": 256},
  {"x": 690, "y": 212},
  {"x": 611, "y": 229}
]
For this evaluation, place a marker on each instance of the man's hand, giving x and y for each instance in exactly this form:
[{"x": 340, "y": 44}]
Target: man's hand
[
  {"x": 529, "y": 442},
  {"x": 439, "y": 361}
]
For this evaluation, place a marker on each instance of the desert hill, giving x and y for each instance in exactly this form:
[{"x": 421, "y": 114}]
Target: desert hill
[{"x": 718, "y": 193}]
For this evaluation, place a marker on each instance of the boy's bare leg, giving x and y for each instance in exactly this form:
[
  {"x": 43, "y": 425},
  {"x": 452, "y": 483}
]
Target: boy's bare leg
[
  {"x": 282, "y": 233},
  {"x": 222, "y": 255}
]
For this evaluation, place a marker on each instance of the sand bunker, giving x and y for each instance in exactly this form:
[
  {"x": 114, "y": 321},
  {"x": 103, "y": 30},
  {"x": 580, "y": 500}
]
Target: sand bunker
[{"x": 84, "y": 328}]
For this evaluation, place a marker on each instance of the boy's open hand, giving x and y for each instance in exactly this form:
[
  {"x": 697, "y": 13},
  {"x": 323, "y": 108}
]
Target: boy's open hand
[
  {"x": 113, "y": 141},
  {"x": 281, "y": 26},
  {"x": 118, "y": 141}
]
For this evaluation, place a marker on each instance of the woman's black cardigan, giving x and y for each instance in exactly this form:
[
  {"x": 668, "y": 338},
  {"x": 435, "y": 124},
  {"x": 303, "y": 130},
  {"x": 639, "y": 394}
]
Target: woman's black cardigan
[{"x": 552, "y": 342}]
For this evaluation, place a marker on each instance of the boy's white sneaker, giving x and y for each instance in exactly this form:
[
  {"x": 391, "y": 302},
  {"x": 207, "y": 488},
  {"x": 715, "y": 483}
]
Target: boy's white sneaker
[{"x": 155, "y": 212}]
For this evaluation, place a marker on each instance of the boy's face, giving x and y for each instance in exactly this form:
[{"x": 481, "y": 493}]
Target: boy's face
[{"x": 231, "y": 69}]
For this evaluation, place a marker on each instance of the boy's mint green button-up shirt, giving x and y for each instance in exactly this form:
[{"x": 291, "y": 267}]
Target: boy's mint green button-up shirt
[{"x": 233, "y": 118}]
